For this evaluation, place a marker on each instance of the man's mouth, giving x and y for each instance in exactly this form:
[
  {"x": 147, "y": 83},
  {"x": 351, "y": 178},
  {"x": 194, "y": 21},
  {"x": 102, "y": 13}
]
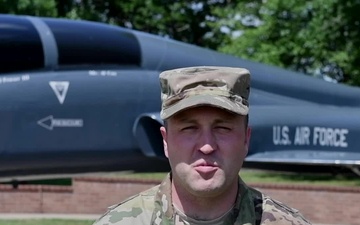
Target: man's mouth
[{"x": 205, "y": 167}]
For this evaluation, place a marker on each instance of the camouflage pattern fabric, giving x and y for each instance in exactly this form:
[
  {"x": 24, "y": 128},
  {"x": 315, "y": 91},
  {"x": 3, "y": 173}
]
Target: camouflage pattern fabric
[
  {"x": 223, "y": 87},
  {"x": 153, "y": 207}
]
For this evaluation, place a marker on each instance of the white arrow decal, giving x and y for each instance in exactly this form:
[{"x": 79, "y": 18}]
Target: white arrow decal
[
  {"x": 60, "y": 89},
  {"x": 50, "y": 122}
]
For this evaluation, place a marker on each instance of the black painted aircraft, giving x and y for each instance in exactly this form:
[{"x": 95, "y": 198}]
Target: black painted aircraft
[{"x": 79, "y": 96}]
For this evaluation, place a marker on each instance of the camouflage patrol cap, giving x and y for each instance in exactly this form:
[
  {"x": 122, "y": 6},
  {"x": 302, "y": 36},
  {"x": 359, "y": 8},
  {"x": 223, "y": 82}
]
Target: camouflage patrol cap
[{"x": 224, "y": 87}]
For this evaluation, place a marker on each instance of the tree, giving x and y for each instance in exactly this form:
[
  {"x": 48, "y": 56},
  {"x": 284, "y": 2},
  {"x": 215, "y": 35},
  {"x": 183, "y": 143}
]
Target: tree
[
  {"x": 318, "y": 37},
  {"x": 180, "y": 20},
  {"x": 29, "y": 7}
]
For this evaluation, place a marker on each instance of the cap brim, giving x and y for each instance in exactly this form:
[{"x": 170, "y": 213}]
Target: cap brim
[{"x": 201, "y": 100}]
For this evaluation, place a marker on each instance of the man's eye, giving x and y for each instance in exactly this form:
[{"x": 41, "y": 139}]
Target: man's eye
[
  {"x": 223, "y": 128},
  {"x": 188, "y": 128}
]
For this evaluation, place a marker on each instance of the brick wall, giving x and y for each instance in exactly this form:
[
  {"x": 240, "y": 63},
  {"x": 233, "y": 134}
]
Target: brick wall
[
  {"x": 322, "y": 205},
  {"x": 91, "y": 195}
]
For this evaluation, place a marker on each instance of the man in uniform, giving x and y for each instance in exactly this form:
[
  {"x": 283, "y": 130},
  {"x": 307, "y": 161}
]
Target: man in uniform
[{"x": 206, "y": 138}]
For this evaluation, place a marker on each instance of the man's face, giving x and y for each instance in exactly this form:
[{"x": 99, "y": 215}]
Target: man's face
[{"x": 206, "y": 147}]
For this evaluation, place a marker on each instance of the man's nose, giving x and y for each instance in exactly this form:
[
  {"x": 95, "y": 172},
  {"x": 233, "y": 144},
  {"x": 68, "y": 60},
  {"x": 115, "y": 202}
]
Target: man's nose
[{"x": 207, "y": 142}]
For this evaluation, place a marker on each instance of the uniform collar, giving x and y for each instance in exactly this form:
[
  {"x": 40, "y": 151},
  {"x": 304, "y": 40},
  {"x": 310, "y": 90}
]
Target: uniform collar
[{"x": 164, "y": 211}]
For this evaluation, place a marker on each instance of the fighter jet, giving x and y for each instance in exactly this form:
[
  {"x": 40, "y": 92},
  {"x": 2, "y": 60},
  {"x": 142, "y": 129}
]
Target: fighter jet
[{"x": 80, "y": 96}]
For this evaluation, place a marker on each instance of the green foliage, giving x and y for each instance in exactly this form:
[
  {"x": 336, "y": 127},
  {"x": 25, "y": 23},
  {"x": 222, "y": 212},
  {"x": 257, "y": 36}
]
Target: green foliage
[
  {"x": 343, "y": 178},
  {"x": 180, "y": 20},
  {"x": 29, "y": 7},
  {"x": 317, "y": 37}
]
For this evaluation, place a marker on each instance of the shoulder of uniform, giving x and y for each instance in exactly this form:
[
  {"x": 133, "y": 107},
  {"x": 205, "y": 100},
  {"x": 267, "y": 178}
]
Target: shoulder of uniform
[
  {"x": 138, "y": 207},
  {"x": 134, "y": 200},
  {"x": 276, "y": 212}
]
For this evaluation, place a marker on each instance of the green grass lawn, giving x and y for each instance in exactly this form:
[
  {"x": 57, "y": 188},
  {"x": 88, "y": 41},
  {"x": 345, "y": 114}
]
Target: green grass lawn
[
  {"x": 259, "y": 176},
  {"x": 347, "y": 180},
  {"x": 46, "y": 222},
  {"x": 248, "y": 175}
]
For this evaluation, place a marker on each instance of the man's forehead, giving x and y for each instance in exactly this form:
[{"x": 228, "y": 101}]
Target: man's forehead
[{"x": 195, "y": 113}]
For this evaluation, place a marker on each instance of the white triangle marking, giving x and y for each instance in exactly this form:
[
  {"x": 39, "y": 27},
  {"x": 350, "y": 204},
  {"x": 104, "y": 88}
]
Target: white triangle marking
[
  {"x": 60, "y": 89},
  {"x": 43, "y": 123}
]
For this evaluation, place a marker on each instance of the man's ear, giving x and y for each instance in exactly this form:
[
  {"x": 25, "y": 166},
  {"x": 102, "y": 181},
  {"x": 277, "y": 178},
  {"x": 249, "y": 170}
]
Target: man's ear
[{"x": 163, "y": 134}]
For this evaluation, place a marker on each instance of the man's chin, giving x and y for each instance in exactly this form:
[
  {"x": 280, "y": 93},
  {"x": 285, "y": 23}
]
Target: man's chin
[{"x": 206, "y": 186}]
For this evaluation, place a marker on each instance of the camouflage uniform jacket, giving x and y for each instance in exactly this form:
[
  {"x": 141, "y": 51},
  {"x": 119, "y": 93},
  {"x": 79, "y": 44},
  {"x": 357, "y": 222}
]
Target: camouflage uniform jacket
[{"x": 153, "y": 207}]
